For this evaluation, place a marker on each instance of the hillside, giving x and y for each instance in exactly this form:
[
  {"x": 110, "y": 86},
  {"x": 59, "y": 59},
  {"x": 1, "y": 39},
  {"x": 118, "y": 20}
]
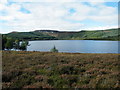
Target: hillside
[
  {"x": 23, "y": 69},
  {"x": 30, "y": 36},
  {"x": 110, "y": 34}
]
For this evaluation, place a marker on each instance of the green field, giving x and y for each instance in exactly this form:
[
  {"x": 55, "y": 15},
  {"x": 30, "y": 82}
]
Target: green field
[{"x": 25, "y": 69}]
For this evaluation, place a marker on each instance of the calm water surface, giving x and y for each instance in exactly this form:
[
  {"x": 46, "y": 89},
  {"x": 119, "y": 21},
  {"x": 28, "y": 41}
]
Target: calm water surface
[{"x": 75, "y": 46}]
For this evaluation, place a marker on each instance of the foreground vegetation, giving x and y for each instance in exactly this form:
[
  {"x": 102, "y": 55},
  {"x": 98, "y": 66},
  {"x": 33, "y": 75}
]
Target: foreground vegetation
[{"x": 25, "y": 69}]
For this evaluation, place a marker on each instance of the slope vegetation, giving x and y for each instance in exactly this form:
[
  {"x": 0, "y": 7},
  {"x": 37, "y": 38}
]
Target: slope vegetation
[{"x": 111, "y": 34}]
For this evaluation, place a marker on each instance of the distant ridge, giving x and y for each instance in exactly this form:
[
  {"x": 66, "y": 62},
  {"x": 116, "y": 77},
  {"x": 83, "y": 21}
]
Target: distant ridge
[
  {"x": 52, "y": 31},
  {"x": 110, "y": 34},
  {"x": 14, "y": 32},
  {"x": 49, "y": 30}
]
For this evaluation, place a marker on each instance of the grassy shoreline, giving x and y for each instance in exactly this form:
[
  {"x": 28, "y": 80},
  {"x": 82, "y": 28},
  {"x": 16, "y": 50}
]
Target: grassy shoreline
[{"x": 28, "y": 69}]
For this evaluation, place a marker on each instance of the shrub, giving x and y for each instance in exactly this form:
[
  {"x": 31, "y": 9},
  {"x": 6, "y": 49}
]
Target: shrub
[
  {"x": 68, "y": 70},
  {"x": 24, "y": 79},
  {"x": 56, "y": 81},
  {"x": 54, "y": 49}
]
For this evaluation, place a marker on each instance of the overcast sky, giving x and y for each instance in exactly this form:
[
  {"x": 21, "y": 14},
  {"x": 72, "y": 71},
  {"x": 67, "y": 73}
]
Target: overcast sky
[{"x": 67, "y": 15}]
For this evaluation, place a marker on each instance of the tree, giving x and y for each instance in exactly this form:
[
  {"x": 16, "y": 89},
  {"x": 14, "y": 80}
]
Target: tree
[
  {"x": 4, "y": 40},
  {"x": 9, "y": 43},
  {"x": 54, "y": 49},
  {"x": 16, "y": 44},
  {"x": 23, "y": 45}
]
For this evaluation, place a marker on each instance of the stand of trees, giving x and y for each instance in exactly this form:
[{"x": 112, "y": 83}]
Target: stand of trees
[{"x": 10, "y": 43}]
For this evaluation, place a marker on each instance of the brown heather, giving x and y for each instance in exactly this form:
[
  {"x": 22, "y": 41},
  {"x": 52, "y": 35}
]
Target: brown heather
[{"x": 25, "y": 69}]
